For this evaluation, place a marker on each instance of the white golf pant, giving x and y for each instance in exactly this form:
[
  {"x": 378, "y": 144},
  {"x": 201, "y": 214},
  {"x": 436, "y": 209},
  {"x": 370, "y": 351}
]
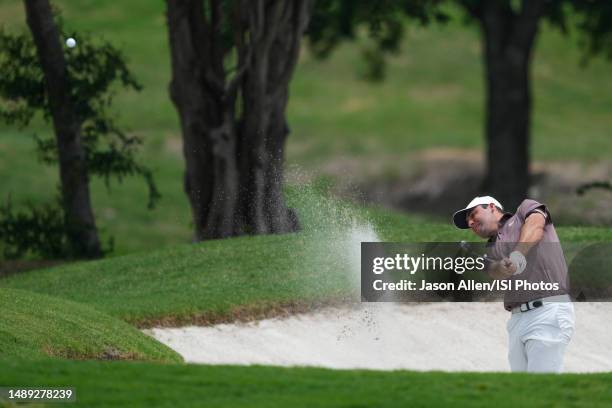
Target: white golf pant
[{"x": 538, "y": 338}]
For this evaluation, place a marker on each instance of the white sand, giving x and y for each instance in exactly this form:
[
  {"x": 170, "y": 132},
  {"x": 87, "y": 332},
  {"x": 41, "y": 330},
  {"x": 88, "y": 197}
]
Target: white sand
[{"x": 434, "y": 336}]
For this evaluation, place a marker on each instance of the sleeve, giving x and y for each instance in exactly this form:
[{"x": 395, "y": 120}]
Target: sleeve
[{"x": 529, "y": 207}]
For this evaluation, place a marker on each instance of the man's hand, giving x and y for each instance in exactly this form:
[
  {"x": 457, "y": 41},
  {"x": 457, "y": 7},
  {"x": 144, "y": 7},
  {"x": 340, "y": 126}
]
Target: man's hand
[{"x": 502, "y": 269}]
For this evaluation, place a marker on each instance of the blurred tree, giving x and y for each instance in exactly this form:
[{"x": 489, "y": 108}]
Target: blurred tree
[
  {"x": 232, "y": 61},
  {"x": 509, "y": 30},
  {"x": 73, "y": 91},
  {"x": 596, "y": 26},
  {"x": 594, "y": 23},
  {"x": 384, "y": 21},
  {"x": 73, "y": 171}
]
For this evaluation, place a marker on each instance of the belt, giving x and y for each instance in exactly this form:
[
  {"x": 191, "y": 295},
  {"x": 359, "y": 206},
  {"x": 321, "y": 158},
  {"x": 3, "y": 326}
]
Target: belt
[{"x": 534, "y": 304}]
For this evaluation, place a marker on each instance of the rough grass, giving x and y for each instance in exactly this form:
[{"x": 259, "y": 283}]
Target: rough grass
[
  {"x": 101, "y": 384},
  {"x": 35, "y": 326}
]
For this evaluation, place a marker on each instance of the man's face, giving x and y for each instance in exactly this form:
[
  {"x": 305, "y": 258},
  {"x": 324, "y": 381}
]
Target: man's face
[{"x": 482, "y": 221}]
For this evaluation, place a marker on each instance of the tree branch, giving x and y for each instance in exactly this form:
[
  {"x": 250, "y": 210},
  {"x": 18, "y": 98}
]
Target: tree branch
[
  {"x": 526, "y": 23},
  {"x": 301, "y": 15},
  {"x": 245, "y": 50},
  {"x": 474, "y": 8},
  {"x": 272, "y": 26}
]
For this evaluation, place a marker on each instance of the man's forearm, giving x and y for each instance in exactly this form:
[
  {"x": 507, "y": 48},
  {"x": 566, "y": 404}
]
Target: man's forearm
[{"x": 524, "y": 247}]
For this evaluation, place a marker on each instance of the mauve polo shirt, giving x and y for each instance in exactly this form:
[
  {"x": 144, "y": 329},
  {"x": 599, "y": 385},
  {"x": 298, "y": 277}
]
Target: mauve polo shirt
[{"x": 545, "y": 261}]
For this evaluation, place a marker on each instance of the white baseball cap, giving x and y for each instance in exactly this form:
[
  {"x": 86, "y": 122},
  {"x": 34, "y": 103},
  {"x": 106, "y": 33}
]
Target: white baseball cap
[{"x": 459, "y": 218}]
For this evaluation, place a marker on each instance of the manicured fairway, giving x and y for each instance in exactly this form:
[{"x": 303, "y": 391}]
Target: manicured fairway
[{"x": 104, "y": 384}]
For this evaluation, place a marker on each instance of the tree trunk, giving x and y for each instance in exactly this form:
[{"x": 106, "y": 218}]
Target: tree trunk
[
  {"x": 78, "y": 213},
  {"x": 508, "y": 42},
  {"x": 234, "y": 127}
]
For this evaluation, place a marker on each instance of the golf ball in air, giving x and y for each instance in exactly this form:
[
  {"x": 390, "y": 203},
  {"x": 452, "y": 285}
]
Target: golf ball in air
[{"x": 71, "y": 42}]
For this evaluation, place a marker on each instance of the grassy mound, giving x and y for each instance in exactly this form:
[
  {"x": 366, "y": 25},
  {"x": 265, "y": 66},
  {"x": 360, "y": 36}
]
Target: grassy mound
[
  {"x": 227, "y": 279},
  {"x": 39, "y": 326}
]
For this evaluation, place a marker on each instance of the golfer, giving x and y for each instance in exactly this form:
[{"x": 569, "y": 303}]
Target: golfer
[{"x": 526, "y": 248}]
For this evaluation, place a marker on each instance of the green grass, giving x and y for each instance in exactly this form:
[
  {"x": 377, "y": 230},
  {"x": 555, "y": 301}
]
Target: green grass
[
  {"x": 422, "y": 104},
  {"x": 221, "y": 279},
  {"x": 35, "y": 326},
  {"x": 100, "y": 384}
]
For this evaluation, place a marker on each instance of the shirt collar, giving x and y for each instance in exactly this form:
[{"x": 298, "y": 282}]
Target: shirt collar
[
  {"x": 500, "y": 224},
  {"x": 503, "y": 219}
]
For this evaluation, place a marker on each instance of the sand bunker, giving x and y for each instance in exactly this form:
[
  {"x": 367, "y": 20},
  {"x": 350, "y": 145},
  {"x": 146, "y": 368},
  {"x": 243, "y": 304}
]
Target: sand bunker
[{"x": 434, "y": 336}]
